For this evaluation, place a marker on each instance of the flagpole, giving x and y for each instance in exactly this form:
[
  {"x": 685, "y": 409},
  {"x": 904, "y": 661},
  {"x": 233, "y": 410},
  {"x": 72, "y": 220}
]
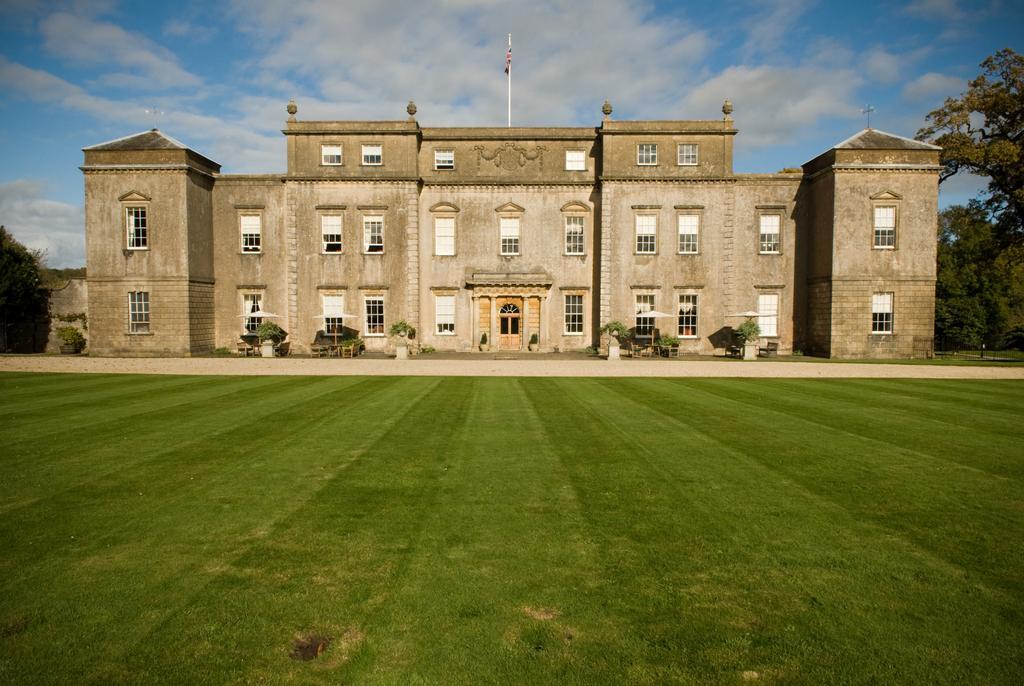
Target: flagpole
[{"x": 509, "y": 71}]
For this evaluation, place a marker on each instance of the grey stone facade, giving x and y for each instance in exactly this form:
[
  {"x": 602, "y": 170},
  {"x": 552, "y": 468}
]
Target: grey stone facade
[{"x": 512, "y": 232}]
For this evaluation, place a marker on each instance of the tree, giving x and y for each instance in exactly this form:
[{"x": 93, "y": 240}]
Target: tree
[
  {"x": 980, "y": 291},
  {"x": 982, "y": 132},
  {"x": 21, "y": 297}
]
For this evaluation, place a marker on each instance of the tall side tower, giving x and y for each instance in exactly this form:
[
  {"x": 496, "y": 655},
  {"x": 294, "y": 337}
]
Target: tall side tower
[
  {"x": 871, "y": 259},
  {"x": 149, "y": 246}
]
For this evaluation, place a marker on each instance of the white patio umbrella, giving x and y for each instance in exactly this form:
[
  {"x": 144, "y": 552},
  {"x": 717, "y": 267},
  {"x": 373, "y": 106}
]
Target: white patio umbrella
[
  {"x": 334, "y": 315},
  {"x": 656, "y": 315},
  {"x": 748, "y": 314}
]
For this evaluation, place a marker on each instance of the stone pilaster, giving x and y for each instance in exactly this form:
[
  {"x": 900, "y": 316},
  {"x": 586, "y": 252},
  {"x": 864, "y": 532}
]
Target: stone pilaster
[
  {"x": 607, "y": 197},
  {"x": 728, "y": 264},
  {"x": 292, "y": 262},
  {"x": 412, "y": 249}
]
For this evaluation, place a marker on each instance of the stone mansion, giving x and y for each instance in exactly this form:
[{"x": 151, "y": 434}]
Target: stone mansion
[{"x": 510, "y": 233}]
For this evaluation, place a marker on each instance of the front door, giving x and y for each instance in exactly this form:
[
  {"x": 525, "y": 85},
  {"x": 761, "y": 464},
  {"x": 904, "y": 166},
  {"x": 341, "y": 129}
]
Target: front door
[{"x": 510, "y": 323}]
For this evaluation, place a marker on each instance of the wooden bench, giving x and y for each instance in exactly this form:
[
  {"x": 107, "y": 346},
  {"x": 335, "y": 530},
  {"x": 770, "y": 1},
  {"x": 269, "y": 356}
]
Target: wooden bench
[{"x": 769, "y": 349}]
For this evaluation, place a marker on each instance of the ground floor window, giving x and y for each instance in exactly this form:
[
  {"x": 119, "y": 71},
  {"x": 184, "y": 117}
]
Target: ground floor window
[
  {"x": 444, "y": 314},
  {"x": 138, "y": 312},
  {"x": 374, "y": 305},
  {"x": 881, "y": 313},
  {"x": 768, "y": 314},
  {"x": 252, "y": 302},
  {"x": 574, "y": 314},
  {"x": 644, "y": 325},
  {"x": 688, "y": 316},
  {"x": 334, "y": 306}
]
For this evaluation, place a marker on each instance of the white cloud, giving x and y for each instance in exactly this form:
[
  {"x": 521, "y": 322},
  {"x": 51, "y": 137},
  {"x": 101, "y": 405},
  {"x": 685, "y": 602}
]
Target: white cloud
[
  {"x": 776, "y": 104},
  {"x": 84, "y": 40},
  {"x": 450, "y": 57},
  {"x": 936, "y": 10},
  {"x": 934, "y": 86},
  {"x": 769, "y": 30},
  {"x": 58, "y": 228}
]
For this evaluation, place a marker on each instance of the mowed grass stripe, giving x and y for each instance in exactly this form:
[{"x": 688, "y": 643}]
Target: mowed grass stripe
[
  {"x": 109, "y": 450},
  {"x": 658, "y": 531},
  {"x": 788, "y": 547},
  {"x": 289, "y": 563},
  {"x": 189, "y": 542},
  {"x": 928, "y": 500}
]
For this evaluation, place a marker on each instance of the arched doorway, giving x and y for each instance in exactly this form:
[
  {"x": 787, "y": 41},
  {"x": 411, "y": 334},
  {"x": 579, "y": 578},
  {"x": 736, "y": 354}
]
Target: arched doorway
[{"x": 510, "y": 324}]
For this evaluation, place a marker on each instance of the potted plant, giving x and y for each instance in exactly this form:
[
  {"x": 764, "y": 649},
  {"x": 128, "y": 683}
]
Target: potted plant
[
  {"x": 403, "y": 331},
  {"x": 72, "y": 340},
  {"x": 484, "y": 347},
  {"x": 534, "y": 343},
  {"x": 270, "y": 336},
  {"x": 618, "y": 334},
  {"x": 669, "y": 345},
  {"x": 748, "y": 332}
]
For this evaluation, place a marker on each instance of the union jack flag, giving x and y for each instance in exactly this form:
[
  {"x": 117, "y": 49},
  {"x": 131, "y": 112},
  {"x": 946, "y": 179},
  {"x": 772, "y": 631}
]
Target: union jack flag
[{"x": 508, "y": 60}]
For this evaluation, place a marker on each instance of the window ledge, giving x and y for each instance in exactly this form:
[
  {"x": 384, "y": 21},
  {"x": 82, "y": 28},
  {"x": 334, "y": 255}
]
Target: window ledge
[{"x": 139, "y": 333}]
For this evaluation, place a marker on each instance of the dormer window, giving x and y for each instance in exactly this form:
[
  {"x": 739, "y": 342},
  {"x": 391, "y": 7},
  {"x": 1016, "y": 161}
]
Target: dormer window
[
  {"x": 373, "y": 155},
  {"x": 444, "y": 159},
  {"x": 647, "y": 154},
  {"x": 330, "y": 155}
]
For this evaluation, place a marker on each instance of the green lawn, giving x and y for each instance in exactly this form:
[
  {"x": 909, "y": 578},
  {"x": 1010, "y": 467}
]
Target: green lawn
[{"x": 186, "y": 530}]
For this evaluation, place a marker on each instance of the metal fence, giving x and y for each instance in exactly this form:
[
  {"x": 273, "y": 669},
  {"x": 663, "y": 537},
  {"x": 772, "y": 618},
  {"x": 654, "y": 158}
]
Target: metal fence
[{"x": 954, "y": 350}]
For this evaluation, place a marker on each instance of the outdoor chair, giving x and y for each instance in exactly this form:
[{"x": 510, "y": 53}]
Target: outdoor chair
[
  {"x": 769, "y": 349},
  {"x": 284, "y": 349},
  {"x": 244, "y": 349}
]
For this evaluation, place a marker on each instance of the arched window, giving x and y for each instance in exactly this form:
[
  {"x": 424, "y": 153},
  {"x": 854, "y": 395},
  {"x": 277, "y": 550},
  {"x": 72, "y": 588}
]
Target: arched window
[{"x": 509, "y": 308}]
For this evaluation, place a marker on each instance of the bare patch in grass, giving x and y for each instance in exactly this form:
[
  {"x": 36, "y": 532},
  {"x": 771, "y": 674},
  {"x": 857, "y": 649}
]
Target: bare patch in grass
[
  {"x": 309, "y": 646},
  {"x": 542, "y": 614},
  {"x": 750, "y": 675},
  {"x": 342, "y": 648},
  {"x": 14, "y": 626}
]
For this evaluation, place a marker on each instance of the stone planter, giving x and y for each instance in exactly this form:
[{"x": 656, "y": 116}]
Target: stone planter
[
  {"x": 613, "y": 352},
  {"x": 401, "y": 352},
  {"x": 533, "y": 347},
  {"x": 68, "y": 349},
  {"x": 267, "y": 349},
  {"x": 485, "y": 347},
  {"x": 750, "y": 351}
]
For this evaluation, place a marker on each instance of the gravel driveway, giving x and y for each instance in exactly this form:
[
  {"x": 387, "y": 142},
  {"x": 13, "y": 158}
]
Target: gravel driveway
[{"x": 481, "y": 365}]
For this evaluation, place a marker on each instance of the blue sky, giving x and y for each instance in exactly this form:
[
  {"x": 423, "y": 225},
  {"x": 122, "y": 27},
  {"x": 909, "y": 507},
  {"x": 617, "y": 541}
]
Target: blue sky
[{"x": 797, "y": 71}]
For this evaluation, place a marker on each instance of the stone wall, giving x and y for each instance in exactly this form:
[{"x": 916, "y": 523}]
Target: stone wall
[{"x": 72, "y": 298}]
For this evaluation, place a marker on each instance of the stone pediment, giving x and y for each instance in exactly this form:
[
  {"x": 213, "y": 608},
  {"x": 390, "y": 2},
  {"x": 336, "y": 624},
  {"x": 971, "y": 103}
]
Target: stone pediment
[
  {"x": 887, "y": 195},
  {"x": 134, "y": 196},
  {"x": 575, "y": 207},
  {"x": 444, "y": 207},
  {"x": 510, "y": 207}
]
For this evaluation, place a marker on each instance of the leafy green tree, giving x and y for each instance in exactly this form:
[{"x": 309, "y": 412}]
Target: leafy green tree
[
  {"x": 980, "y": 290},
  {"x": 21, "y": 297},
  {"x": 982, "y": 132}
]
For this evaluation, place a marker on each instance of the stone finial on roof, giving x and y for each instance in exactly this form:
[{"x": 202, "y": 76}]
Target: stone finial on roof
[
  {"x": 606, "y": 108},
  {"x": 292, "y": 109},
  {"x": 411, "y": 109},
  {"x": 727, "y": 109}
]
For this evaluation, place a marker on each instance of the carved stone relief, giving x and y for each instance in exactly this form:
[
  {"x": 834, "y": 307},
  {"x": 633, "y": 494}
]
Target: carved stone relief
[{"x": 509, "y": 156}]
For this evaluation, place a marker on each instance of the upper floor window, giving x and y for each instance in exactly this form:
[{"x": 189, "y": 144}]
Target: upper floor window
[
  {"x": 573, "y": 315},
  {"x": 509, "y": 235},
  {"x": 444, "y": 315},
  {"x": 647, "y": 153},
  {"x": 646, "y": 234},
  {"x": 689, "y": 225},
  {"x": 687, "y": 154},
  {"x": 444, "y": 159},
  {"x": 574, "y": 236},
  {"x": 881, "y": 313},
  {"x": 138, "y": 312},
  {"x": 769, "y": 238},
  {"x": 330, "y": 154},
  {"x": 885, "y": 227},
  {"x": 137, "y": 228},
  {"x": 252, "y": 230},
  {"x": 373, "y": 233},
  {"x": 688, "y": 315},
  {"x": 444, "y": 235},
  {"x": 575, "y": 160},
  {"x": 768, "y": 314},
  {"x": 373, "y": 154},
  {"x": 330, "y": 232}
]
